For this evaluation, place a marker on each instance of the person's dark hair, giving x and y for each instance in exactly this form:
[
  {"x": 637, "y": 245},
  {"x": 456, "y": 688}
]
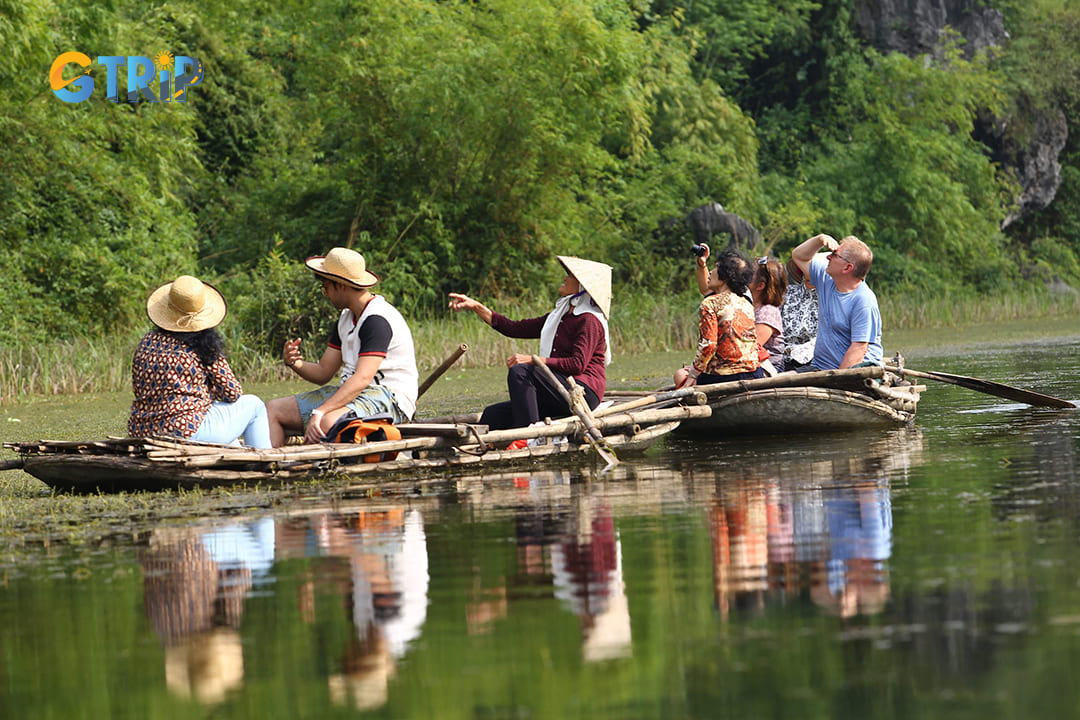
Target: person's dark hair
[
  {"x": 208, "y": 345},
  {"x": 772, "y": 273},
  {"x": 735, "y": 270}
]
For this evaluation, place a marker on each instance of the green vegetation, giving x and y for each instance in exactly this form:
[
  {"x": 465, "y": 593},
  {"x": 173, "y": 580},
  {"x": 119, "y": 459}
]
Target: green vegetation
[
  {"x": 461, "y": 146},
  {"x": 642, "y": 324}
]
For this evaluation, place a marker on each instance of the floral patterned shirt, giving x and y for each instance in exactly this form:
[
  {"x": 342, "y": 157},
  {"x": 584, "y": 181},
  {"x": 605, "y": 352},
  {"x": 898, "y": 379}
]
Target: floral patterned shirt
[
  {"x": 799, "y": 312},
  {"x": 173, "y": 389},
  {"x": 727, "y": 341}
]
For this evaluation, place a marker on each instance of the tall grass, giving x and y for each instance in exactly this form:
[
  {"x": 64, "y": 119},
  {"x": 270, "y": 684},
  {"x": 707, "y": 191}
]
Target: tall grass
[
  {"x": 639, "y": 323},
  {"x": 914, "y": 311}
]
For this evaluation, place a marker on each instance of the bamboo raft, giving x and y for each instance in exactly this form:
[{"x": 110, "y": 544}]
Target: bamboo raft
[
  {"x": 127, "y": 464},
  {"x": 825, "y": 400}
]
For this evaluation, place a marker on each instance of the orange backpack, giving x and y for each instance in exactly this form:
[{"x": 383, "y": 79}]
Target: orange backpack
[{"x": 352, "y": 429}]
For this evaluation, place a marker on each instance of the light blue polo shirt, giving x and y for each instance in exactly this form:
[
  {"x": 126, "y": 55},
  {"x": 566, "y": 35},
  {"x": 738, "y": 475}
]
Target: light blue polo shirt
[{"x": 843, "y": 318}]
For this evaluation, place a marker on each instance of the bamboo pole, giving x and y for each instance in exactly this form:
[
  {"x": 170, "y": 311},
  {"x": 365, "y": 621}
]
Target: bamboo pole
[
  {"x": 312, "y": 453},
  {"x": 908, "y": 394},
  {"x": 461, "y": 418},
  {"x": 438, "y": 372},
  {"x": 435, "y": 430},
  {"x": 690, "y": 398},
  {"x": 817, "y": 378},
  {"x": 592, "y": 435},
  {"x": 572, "y": 426}
]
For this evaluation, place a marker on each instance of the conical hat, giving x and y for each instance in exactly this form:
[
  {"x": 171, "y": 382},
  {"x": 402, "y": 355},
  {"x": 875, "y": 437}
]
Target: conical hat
[{"x": 595, "y": 279}]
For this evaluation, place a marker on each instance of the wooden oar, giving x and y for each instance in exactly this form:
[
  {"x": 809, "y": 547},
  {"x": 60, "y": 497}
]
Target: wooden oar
[
  {"x": 592, "y": 435},
  {"x": 986, "y": 386},
  {"x": 437, "y": 372}
]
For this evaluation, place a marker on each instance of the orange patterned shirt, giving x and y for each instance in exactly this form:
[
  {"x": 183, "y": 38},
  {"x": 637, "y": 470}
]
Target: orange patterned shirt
[{"x": 727, "y": 340}]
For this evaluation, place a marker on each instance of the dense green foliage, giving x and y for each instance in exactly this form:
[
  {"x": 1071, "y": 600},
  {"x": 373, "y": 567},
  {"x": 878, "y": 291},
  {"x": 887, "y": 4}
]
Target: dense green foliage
[{"x": 461, "y": 146}]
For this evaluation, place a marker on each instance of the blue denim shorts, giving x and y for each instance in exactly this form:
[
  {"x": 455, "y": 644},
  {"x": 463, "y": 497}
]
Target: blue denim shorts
[{"x": 373, "y": 400}]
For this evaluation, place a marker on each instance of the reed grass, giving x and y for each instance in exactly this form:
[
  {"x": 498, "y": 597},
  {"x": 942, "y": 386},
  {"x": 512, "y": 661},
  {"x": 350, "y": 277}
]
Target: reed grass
[
  {"x": 640, "y": 323},
  {"x": 911, "y": 312}
]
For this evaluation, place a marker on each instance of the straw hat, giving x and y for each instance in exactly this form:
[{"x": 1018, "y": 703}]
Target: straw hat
[
  {"x": 344, "y": 265},
  {"x": 206, "y": 665},
  {"x": 186, "y": 305},
  {"x": 595, "y": 279}
]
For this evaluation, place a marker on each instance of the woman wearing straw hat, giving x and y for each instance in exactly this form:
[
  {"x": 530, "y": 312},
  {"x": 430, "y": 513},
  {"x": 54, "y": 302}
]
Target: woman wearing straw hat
[
  {"x": 182, "y": 381},
  {"x": 574, "y": 341}
]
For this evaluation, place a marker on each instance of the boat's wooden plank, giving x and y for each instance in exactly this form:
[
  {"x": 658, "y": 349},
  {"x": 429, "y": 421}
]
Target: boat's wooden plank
[
  {"x": 458, "y": 430},
  {"x": 459, "y": 419}
]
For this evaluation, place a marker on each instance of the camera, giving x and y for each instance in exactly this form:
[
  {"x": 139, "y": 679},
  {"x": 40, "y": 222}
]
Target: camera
[{"x": 698, "y": 250}]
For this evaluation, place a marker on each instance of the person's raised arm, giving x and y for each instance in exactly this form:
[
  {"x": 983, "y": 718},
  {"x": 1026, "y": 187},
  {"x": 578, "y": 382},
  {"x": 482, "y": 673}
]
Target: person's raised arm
[
  {"x": 805, "y": 252},
  {"x": 459, "y": 302},
  {"x": 701, "y": 270}
]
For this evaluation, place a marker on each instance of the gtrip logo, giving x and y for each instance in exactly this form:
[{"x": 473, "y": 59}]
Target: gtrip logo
[{"x": 162, "y": 79}]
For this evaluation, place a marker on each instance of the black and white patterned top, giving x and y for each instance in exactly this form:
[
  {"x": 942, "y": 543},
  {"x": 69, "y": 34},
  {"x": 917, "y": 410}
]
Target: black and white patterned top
[{"x": 800, "y": 314}]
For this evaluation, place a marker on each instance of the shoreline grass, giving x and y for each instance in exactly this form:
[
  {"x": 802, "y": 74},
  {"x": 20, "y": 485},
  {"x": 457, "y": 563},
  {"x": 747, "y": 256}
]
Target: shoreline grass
[{"x": 640, "y": 324}]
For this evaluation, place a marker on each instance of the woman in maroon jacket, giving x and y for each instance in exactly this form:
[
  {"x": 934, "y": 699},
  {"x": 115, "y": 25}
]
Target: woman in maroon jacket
[{"x": 574, "y": 341}]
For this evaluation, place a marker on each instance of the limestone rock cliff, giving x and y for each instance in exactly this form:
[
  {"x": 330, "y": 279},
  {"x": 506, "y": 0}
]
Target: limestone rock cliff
[{"x": 916, "y": 27}]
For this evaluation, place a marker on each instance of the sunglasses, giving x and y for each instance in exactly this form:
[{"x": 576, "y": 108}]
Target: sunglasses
[{"x": 838, "y": 255}]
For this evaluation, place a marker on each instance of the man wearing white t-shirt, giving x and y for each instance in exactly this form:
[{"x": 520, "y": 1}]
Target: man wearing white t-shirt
[
  {"x": 849, "y": 322},
  {"x": 372, "y": 346}
]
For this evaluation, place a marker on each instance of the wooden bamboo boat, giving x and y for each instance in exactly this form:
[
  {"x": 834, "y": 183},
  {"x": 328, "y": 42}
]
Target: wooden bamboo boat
[
  {"x": 820, "y": 401},
  {"x": 800, "y": 402},
  {"x": 129, "y": 464}
]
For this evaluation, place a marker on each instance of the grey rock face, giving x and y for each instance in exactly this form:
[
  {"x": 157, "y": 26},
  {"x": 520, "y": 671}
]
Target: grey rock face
[{"x": 916, "y": 27}]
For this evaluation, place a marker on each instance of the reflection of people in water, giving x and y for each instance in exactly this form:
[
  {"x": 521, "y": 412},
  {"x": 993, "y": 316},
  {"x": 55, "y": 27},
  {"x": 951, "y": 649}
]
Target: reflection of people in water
[
  {"x": 738, "y": 524},
  {"x": 566, "y": 539},
  {"x": 773, "y": 539},
  {"x": 587, "y": 570},
  {"x": 384, "y": 584},
  {"x": 856, "y": 578},
  {"x": 194, "y": 585}
]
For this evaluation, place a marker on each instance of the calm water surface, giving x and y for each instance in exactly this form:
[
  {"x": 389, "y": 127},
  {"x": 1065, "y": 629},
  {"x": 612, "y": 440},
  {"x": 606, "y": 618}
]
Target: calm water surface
[{"x": 928, "y": 571}]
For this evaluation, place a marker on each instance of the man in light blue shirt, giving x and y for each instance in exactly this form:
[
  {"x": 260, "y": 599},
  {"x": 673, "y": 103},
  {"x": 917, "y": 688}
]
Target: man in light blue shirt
[{"x": 849, "y": 322}]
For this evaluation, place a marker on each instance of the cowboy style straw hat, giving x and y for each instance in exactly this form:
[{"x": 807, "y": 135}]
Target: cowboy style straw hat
[
  {"x": 186, "y": 305},
  {"x": 595, "y": 279},
  {"x": 343, "y": 265}
]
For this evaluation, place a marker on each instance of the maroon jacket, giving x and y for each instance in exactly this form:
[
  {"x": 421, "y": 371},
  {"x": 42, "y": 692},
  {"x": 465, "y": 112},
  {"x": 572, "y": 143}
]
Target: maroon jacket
[{"x": 578, "y": 349}]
